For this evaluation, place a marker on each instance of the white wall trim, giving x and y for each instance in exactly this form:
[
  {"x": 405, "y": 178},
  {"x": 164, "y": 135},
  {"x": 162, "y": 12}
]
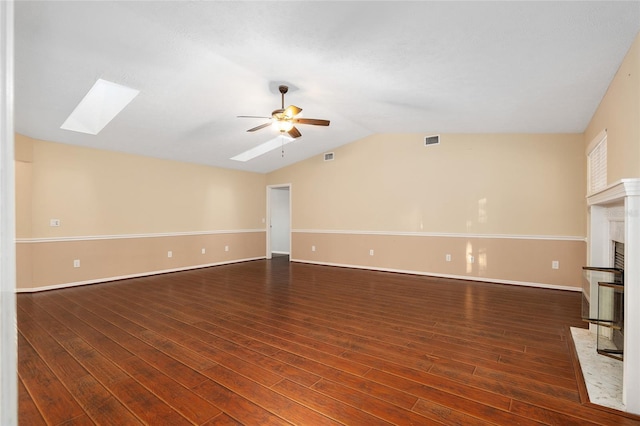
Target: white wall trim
[
  {"x": 124, "y": 236},
  {"x": 8, "y": 330},
  {"x": 141, "y": 274},
  {"x": 442, "y": 234},
  {"x": 615, "y": 192},
  {"x": 268, "y": 230},
  {"x": 431, "y": 274}
]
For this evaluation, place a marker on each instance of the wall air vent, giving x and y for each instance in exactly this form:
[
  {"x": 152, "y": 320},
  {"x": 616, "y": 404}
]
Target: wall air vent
[
  {"x": 431, "y": 140},
  {"x": 328, "y": 156}
]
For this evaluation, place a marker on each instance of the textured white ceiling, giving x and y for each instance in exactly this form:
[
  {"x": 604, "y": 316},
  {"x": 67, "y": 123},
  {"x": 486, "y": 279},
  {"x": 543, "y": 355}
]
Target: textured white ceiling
[{"x": 369, "y": 67}]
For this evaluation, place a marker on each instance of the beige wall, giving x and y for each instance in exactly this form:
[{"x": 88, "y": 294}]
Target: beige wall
[
  {"x": 23, "y": 170},
  {"x": 619, "y": 113},
  {"x": 508, "y": 260},
  {"x": 486, "y": 184},
  {"x": 96, "y": 192},
  {"x": 103, "y": 198},
  {"x": 460, "y": 197},
  {"x": 49, "y": 264}
]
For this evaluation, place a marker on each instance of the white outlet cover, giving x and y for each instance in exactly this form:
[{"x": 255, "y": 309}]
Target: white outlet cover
[
  {"x": 54, "y": 222},
  {"x": 203, "y": 251},
  {"x": 555, "y": 264},
  {"x": 313, "y": 248},
  {"x": 76, "y": 263},
  {"x": 226, "y": 248},
  {"x": 371, "y": 252},
  {"x": 447, "y": 258},
  {"x": 169, "y": 253}
]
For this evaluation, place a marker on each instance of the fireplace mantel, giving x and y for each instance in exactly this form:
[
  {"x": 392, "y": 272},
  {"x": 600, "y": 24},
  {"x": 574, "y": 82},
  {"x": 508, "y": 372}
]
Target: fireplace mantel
[
  {"x": 615, "y": 193},
  {"x": 624, "y": 193}
]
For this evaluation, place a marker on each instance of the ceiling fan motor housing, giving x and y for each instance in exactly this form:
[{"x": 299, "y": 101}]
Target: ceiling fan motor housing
[{"x": 284, "y": 118}]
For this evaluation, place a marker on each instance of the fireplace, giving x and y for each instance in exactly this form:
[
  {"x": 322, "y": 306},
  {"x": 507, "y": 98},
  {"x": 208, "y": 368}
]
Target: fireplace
[{"x": 614, "y": 215}]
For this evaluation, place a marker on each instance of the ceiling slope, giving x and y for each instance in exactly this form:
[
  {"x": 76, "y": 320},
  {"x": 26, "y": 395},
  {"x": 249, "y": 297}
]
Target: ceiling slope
[{"x": 369, "y": 67}]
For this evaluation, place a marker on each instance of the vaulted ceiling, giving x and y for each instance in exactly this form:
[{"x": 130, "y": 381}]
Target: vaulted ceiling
[{"x": 369, "y": 67}]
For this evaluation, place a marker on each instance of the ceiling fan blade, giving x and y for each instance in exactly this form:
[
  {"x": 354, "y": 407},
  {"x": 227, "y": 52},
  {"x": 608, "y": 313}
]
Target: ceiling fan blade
[
  {"x": 252, "y": 116},
  {"x": 292, "y": 111},
  {"x": 262, "y": 126},
  {"x": 313, "y": 121},
  {"x": 294, "y": 133}
]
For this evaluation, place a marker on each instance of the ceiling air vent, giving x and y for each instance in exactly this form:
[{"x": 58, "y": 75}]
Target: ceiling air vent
[
  {"x": 328, "y": 156},
  {"x": 431, "y": 140}
]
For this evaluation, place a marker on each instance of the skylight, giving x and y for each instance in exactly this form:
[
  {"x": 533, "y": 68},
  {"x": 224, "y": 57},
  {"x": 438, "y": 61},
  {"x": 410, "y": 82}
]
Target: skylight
[
  {"x": 100, "y": 105},
  {"x": 263, "y": 148}
]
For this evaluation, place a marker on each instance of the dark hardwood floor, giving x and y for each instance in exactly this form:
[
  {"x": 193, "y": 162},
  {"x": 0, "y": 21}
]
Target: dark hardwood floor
[{"x": 268, "y": 342}]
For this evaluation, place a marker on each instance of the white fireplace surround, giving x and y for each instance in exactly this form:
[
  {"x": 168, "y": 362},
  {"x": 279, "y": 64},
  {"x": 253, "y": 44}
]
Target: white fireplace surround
[{"x": 615, "y": 215}]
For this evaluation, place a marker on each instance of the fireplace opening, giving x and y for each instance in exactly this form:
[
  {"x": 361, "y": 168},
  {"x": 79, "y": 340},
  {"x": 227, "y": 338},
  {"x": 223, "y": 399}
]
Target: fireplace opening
[{"x": 603, "y": 303}]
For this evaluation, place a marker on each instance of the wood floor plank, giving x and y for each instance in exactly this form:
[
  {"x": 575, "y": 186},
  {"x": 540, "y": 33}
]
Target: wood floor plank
[
  {"x": 236, "y": 406},
  {"x": 28, "y": 412},
  {"x": 369, "y": 403},
  {"x": 222, "y": 420},
  {"x": 53, "y": 400},
  {"x": 338, "y": 410},
  {"x": 83, "y": 420},
  {"x": 95, "y": 399},
  {"x": 288, "y": 345},
  {"x": 227, "y": 351},
  {"x": 547, "y": 416},
  {"x": 141, "y": 349},
  {"x": 446, "y": 415},
  {"x": 181, "y": 399},
  {"x": 425, "y": 386},
  {"x": 353, "y": 381},
  {"x": 473, "y": 408},
  {"x": 147, "y": 406},
  {"x": 266, "y": 397},
  {"x": 275, "y": 343}
]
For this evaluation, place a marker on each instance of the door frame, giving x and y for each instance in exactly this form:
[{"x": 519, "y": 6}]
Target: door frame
[
  {"x": 271, "y": 188},
  {"x": 8, "y": 330}
]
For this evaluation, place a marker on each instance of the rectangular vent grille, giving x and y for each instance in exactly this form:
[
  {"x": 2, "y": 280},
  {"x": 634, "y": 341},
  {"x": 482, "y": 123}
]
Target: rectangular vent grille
[
  {"x": 328, "y": 156},
  {"x": 431, "y": 140}
]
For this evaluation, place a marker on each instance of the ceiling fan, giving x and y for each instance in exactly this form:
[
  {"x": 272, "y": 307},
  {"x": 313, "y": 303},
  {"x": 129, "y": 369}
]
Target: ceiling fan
[{"x": 283, "y": 119}]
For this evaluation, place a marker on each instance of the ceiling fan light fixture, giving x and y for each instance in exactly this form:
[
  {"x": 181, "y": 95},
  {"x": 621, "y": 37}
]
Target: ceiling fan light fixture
[{"x": 282, "y": 126}]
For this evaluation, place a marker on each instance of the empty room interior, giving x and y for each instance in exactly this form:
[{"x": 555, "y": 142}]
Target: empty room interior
[{"x": 320, "y": 213}]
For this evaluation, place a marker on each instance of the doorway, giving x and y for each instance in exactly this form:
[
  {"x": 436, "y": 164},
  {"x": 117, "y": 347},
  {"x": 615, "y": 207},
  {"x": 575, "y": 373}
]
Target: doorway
[{"x": 278, "y": 220}]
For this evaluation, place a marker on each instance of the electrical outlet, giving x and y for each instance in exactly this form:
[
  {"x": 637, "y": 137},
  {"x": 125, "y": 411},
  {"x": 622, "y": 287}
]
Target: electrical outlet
[
  {"x": 76, "y": 263},
  {"x": 313, "y": 248},
  {"x": 471, "y": 259},
  {"x": 169, "y": 253},
  {"x": 226, "y": 248},
  {"x": 203, "y": 251},
  {"x": 371, "y": 252},
  {"x": 447, "y": 257},
  {"x": 54, "y": 222},
  {"x": 555, "y": 264}
]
